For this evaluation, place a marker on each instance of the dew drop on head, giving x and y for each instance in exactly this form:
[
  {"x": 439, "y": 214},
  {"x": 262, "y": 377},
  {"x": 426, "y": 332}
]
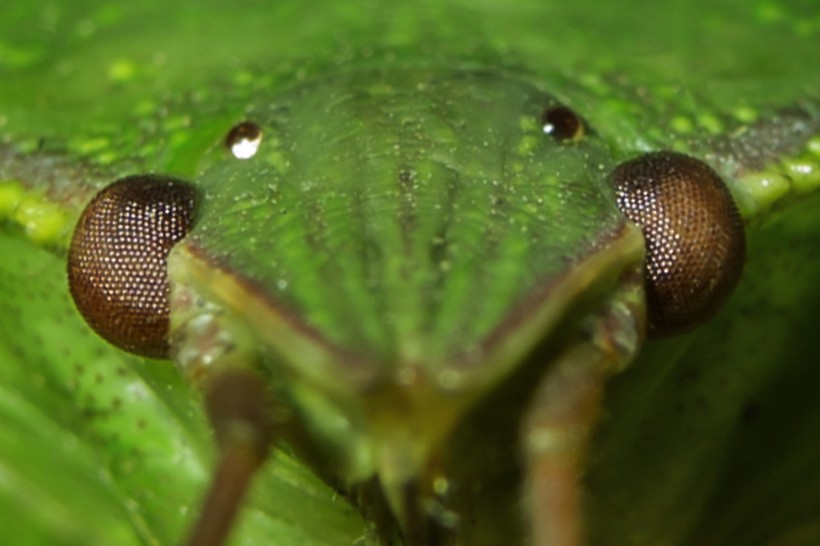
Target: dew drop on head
[
  {"x": 243, "y": 140},
  {"x": 562, "y": 124}
]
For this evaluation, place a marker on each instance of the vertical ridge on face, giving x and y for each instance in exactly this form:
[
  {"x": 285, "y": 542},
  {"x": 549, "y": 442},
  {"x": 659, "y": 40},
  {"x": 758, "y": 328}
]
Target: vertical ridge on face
[{"x": 405, "y": 212}]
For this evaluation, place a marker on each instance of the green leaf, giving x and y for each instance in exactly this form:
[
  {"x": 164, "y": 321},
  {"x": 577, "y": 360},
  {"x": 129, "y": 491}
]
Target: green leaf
[{"x": 98, "y": 447}]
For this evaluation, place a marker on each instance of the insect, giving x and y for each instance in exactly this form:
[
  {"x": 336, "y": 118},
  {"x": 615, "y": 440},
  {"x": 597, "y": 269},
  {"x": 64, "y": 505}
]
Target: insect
[{"x": 669, "y": 432}]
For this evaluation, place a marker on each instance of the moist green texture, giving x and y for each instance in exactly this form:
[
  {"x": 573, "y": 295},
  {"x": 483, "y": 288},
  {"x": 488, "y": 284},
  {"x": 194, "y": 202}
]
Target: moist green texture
[
  {"x": 409, "y": 216},
  {"x": 709, "y": 439}
]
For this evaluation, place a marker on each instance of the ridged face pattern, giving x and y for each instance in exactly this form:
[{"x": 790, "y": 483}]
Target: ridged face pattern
[
  {"x": 117, "y": 259},
  {"x": 694, "y": 235},
  {"x": 405, "y": 213}
]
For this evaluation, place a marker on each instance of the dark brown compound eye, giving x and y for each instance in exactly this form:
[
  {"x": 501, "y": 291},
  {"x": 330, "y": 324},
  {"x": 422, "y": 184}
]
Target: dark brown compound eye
[
  {"x": 562, "y": 124},
  {"x": 117, "y": 259},
  {"x": 694, "y": 235}
]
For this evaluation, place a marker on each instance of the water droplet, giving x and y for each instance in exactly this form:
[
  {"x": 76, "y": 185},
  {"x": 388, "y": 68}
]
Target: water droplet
[
  {"x": 243, "y": 140},
  {"x": 561, "y": 123}
]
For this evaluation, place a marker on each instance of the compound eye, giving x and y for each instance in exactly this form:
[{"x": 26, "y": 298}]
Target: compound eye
[
  {"x": 117, "y": 259},
  {"x": 694, "y": 235}
]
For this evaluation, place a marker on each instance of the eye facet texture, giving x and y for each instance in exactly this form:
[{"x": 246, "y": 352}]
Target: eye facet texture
[
  {"x": 117, "y": 259},
  {"x": 694, "y": 235}
]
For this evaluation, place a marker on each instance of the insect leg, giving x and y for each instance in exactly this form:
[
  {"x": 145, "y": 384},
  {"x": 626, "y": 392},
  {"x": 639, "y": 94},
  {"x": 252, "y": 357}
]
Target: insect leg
[
  {"x": 561, "y": 418},
  {"x": 238, "y": 408}
]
